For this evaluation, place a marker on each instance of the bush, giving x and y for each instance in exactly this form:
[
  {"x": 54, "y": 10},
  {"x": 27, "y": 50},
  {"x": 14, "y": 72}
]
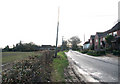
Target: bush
[
  {"x": 84, "y": 51},
  {"x": 108, "y": 50},
  {"x": 102, "y": 52},
  {"x": 95, "y": 53},
  {"x": 116, "y": 52},
  {"x": 92, "y": 52}
]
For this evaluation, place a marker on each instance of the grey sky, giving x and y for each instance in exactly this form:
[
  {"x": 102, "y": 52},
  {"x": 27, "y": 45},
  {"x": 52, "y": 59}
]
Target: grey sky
[{"x": 36, "y": 20}]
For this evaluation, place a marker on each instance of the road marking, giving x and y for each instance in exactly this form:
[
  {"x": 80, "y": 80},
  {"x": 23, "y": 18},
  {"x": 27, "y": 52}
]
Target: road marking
[
  {"x": 76, "y": 62},
  {"x": 87, "y": 76}
]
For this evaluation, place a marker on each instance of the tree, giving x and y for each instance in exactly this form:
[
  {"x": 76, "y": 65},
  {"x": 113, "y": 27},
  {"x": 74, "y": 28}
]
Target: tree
[
  {"x": 109, "y": 39},
  {"x": 6, "y": 48},
  {"x": 64, "y": 45},
  {"x": 75, "y": 40}
]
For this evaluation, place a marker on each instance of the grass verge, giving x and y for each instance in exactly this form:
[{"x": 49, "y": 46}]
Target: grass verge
[
  {"x": 8, "y": 57},
  {"x": 59, "y": 64}
]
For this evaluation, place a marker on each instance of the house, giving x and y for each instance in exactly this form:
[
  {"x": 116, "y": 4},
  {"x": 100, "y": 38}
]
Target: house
[
  {"x": 115, "y": 31},
  {"x": 92, "y": 37},
  {"x": 99, "y": 41},
  {"x": 86, "y": 45}
]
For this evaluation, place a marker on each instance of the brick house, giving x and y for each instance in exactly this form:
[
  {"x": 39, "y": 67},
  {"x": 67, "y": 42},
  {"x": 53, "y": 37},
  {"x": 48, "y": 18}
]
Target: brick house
[
  {"x": 92, "y": 37},
  {"x": 99, "y": 40},
  {"x": 115, "y": 31}
]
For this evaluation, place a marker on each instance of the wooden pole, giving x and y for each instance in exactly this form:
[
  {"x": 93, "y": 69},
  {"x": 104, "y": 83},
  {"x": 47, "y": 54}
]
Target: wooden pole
[{"x": 57, "y": 35}]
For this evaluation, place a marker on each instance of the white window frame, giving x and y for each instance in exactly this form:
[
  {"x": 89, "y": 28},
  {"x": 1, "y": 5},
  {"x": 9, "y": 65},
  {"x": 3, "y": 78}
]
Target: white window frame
[
  {"x": 115, "y": 33},
  {"x": 90, "y": 41},
  {"x": 103, "y": 38},
  {"x": 96, "y": 40},
  {"x": 110, "y": 33},
  {"x": 101, "y": 43}
]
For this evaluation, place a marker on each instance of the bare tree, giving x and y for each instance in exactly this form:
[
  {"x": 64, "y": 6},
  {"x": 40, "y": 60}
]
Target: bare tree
[{"x": 75, "y": 40}]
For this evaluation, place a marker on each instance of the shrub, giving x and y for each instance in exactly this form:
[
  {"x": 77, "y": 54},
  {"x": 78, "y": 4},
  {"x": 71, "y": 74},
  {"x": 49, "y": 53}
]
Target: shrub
[
  {"x": 108, "y": 50},
  {"x": 92, "y": 52},
  {"x": 116, "y": 52},
  {"x": 102, "y": 52},
  {"x": 84, "y": 51},
  {"x": 95, "y": 53}
]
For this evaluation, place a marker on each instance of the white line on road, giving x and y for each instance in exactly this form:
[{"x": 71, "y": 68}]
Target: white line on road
[{"x": 87, "y": 76}]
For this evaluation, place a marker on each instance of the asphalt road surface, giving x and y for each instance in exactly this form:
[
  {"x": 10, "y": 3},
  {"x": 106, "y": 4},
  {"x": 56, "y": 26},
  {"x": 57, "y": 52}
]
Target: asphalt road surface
[{"x": 103, "y": 69}]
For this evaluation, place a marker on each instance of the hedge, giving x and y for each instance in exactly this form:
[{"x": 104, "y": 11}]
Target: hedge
[{"x": 96, "y": 53}]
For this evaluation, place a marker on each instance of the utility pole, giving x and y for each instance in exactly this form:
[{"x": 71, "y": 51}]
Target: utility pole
[
  {"x": 57, "y": 35},
  {"x": 84, "y": 38},
  {"x": 62, "y": 43}
]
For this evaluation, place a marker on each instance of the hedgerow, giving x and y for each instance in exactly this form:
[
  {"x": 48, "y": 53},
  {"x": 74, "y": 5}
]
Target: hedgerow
[{"x": 33, "y": 69}]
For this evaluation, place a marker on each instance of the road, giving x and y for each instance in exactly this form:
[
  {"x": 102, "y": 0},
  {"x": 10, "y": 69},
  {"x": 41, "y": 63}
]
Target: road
[{"x": 102, "y": 69}]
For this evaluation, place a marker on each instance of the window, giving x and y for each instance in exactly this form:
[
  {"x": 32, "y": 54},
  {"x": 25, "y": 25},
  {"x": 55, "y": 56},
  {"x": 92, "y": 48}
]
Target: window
[
  {"x": 104, "y": 39},
  {"x": 90, "y": 41},
  {"x": 96, "y": 40},
  {"x": 115, "y": 33},
  {"x": 110, "y": 33}
]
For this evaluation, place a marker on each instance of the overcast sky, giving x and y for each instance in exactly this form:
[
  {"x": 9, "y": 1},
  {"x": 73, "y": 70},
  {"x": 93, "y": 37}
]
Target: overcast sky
[{"x": 36, "y": 20}]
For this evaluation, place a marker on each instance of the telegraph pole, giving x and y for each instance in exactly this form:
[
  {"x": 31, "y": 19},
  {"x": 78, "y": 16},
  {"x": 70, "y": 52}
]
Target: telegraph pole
[
  {"x": 84, "y": 37},
  {"x": 57, "y": 35},
  {"x": 62, "y": 43}
]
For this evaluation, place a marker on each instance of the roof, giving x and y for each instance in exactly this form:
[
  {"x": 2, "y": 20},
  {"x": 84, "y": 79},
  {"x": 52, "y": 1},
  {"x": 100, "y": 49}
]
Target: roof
[
  {"x": 92, "y": 36},
  {"x": 115, "y": 28},
  {"x": 100, "y": 34},
  {"x": 86, "y": 42}
]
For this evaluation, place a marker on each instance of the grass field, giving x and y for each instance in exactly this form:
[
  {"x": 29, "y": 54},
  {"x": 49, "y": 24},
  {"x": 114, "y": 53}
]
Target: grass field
[
  {"x": 59, "y": 64},
  {"x": 8, "y": 57}
]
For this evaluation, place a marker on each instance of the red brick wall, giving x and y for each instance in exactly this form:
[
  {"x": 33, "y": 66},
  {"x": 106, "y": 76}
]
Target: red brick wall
[
  {"x": 96, "y": 43},
  {"x": 90, "y": 42},
  {"x": 101, "y": 39},
  {"x": 118, "y": 32}
]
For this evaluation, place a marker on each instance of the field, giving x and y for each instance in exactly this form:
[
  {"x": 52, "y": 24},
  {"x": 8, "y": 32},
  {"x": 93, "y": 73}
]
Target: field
[{"x": 8, "y": 57}]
